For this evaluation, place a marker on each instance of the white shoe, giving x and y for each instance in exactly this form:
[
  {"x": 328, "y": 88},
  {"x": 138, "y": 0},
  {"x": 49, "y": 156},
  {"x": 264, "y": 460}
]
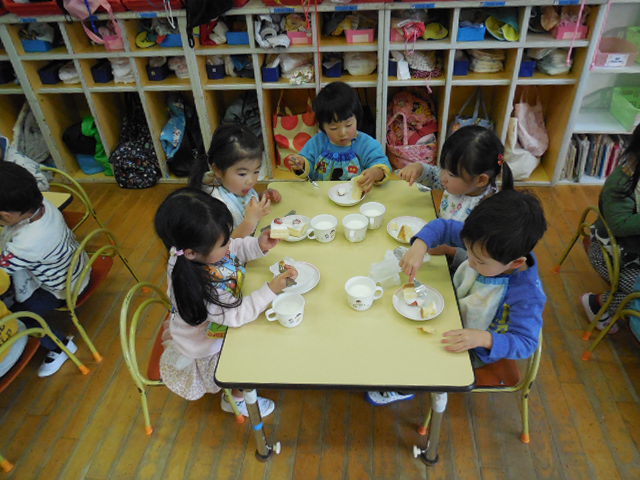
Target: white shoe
[
  {"x": 54, "y": 360},
  {"x": 266, "y": 406},
  {"x": 385, "y": 398}
]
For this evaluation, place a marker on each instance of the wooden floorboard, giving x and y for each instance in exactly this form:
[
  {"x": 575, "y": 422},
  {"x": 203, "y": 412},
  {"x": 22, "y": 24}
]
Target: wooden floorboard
[{"x": 584, "y": 416}]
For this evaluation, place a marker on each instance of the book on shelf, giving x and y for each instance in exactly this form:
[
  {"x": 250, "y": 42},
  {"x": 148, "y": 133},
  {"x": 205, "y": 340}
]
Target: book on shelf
[{"x": 592, "y": 157}]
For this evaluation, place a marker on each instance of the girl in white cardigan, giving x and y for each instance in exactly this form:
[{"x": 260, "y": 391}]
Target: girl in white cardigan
[{"x": 205, "y": 275}]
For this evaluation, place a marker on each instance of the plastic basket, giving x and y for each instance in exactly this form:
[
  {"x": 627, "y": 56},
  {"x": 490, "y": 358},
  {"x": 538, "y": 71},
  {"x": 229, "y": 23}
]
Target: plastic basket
[
  {"x": 625, "y": 106},
  {"x": 88, "y": 164},
  {"x": 527, "y": 67},
  {"x": 461, "y": 67},
  {"x": 171, "y": 40},
  {"x": 360, "y": 36},
  {"x": 271, "y": 74},
  {"x": 299, "y": 38},
  {"x": 150, "y": 5},
  {"x": 334, "y": 72},
  {"x": 568, "y": 32},
  {"x": 36, "y": 45},
  {"x": 633, "y": 35},
  {"x": 215, "y": 72},
  {"x": 238, "y": 38},
  {"x": 33, "y": 9},
  {"x": 473, "y": 33},
  {"x": 615, "y": 52}
]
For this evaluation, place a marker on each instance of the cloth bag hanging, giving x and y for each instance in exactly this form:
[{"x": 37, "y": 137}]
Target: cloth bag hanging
[
  {"x": 110, "y": 36},
  {"x": 291, "y": 131},
  {"x": 532, "y": 132},
  {"x": 401, "y": 155},
  {"x": 463, "y": 120},
  {"x": 521, "y": 162}
]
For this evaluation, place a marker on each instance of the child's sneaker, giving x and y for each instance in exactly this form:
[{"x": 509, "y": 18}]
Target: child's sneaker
[
  {"x": 591, "y": 307},
  {"x": 385, "y": 398},
  {"x": 265, "y": 405},
  {"x": 54, "y": 360}
]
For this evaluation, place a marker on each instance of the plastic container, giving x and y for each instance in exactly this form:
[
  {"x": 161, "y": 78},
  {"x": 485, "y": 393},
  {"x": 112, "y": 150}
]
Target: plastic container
[
  {"x": 36, "y": 45},
  {"x": 615, "y": 52},
  {"x": 215, "y": 72},
  {"x": 396, "y": 36},
  {"x": 171, "y": 40},
  {"x": 474, "y": 33},
  {"x": 88, "y": 164},
  {"x": 49, "y": 73},
  {"x": 150, "y": 5},
  {"x": 461, "y": 67},
  {"x": 334, "y": 72},
  {"x": 299, "y": 38},
  {"x": 33, "y": 9},
  {"x": 280, "y": 3},
  {"x": 393, "y": 68},
  {"x": 360, "y": 36},
  {"x": 633, "y": 35},
  {"x": 625, "y": 106},
  {"x": 271, "y": 74},
  {"x": 238, "y": 38},
  {"x": 527, "y": 67},
  {"x": 568, "y": 32}
]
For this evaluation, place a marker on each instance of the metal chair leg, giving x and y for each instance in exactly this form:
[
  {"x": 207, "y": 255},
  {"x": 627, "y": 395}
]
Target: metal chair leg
[
  {"x": 239, "y": 417},
  {"x": 85, "y": 337}
]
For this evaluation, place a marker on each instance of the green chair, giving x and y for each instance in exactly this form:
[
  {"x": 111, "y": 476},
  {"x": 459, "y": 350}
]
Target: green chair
[
  {"x": 29, "y": 351},
  {"x": 130, "y": 318}
]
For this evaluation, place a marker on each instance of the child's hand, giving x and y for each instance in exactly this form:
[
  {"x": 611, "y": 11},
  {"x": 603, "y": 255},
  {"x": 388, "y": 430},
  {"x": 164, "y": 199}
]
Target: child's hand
[
  {"x": 279, "y": 283},
  {"x": 258, "y": 209},
  {"x": 411, "y": 173},
  {"x": 296, "y": 163},
  {"x": 265, "y": 241},
  {"x": 369, "y": 177},
  {"x": 466, "y": 338},
  {"x": 272, "y": 195},
  {"x": 414, "y": 257}
]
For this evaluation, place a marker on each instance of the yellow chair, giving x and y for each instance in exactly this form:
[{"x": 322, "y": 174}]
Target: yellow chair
[
  {"x": 29, "y": 350},
  {"x": 75, "y": 219},
  {"x": 505, "y": 376},
  {"x": 130, "y": 317},
  {"x": 97, "y": 268},
  {"x": 612, "y": 262}
]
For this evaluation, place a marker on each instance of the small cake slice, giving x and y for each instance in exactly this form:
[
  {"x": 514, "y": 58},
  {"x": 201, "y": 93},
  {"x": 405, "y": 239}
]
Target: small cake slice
[
  {"x": 405, "y": 233},
  {"x": 428, "y": 310},
  {"x": 409, "y": 294},
  {"x": 297, "y": 228},
  {"x": 279, "y": 229},
  {"x": 356, "y": 191}
]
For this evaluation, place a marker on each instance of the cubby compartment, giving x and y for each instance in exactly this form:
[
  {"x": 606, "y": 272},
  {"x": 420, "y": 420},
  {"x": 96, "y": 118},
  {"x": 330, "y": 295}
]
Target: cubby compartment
[
  {"x": 503, "y": 24},
  {"x": 98, "y": 74},
  {"x": 541, "y": 75},
  {"x": 109, "y": 111},
  {"x": 426, "y": 66},
  {"x": 142, "y": 36},
  {"x": 152, "y": 76},
  {"x": 33, "y": 69},
  {"x": 10, "y": 106},
  {"x": 226, "y": 81},
  {"x": 37, "y": 45},
  {"x": 359, "y": 69},
  {"x": 364, "y": 36},
  {"x": 495, "y": 99},
  {"x": 81, "y": 43},
  {"x": 486, "y": 60},
  {"x": 417, "y": 28}
]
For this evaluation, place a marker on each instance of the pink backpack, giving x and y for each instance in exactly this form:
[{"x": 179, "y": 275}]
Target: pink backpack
[
  {"x": 419, "y": 114},
  {"x": 110, "y": 37}
]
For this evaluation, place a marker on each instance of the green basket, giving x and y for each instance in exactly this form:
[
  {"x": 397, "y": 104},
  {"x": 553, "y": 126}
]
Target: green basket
[
  {"x": 633, "y": 35},
  {"x": 625, "y": 106}
]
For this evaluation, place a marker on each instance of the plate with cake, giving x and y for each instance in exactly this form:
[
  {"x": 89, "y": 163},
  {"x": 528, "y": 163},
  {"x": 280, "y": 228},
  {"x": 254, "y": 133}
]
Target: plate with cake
[
  {"x": 308, "y": 275},
  {"x": 291, "y": 228},
  {"x": 347, "y": 194},
  {"x": 419, "y": 307},
  {"x": 403, "y": 228}
]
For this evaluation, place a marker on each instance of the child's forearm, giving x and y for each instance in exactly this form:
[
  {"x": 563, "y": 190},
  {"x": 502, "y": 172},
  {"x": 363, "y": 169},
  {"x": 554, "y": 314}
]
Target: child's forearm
[{"x": 245, "y": 229}]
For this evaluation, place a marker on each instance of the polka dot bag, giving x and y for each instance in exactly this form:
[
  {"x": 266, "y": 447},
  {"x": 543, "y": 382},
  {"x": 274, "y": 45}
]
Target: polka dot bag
[{"x": 291, "y": 132}]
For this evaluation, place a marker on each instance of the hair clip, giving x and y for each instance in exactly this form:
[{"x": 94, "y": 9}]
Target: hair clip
[
  {"x": 174, "y": 252},
  {"x": 500, "y": 159}
]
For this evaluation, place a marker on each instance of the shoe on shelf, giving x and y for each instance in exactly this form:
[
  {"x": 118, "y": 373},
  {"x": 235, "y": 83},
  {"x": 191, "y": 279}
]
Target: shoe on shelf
[
  {"x": 385, "y": 398},
  {"x": 591, "y": 307},
  {"x": 266, "y": 406},
  {"x": 54, "y": 360}
]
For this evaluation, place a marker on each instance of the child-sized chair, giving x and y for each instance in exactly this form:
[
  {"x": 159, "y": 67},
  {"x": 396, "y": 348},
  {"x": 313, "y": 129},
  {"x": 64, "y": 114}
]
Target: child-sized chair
[
  {"x": 129, "y": 320},
  {"x": 505, "y": 376},
  {"x": 624, "y": 310},
  {"x": 75, "y": 219},
  {"x": 29, "y": 350},
  {"x": 611, "y": 256}
]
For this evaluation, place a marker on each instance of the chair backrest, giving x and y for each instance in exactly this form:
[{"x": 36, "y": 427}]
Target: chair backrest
[
  {"x": 74, "y": 219},
  {"x": 610, "y": 253},
  {"x": 130, "y": 317}
]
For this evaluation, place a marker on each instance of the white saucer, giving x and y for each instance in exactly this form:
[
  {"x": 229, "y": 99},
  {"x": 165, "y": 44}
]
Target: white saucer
[
  {"x": 289, "y": 220},
  {"x": 343, "y": 200},
  {"x": 308, "y": 276},
  {"x": 413, "y": 312},
  {"x": 394, "y": 226}
]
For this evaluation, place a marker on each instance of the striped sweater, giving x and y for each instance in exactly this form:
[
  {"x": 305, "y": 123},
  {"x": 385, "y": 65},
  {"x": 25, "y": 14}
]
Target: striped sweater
[{"x": 38, "y": 255}]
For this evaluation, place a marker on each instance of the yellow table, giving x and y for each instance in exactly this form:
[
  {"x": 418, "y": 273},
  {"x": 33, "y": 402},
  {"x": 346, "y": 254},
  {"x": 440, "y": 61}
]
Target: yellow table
[
  {"x": 59, "y": 199},
  {"x": 335, "y": 346}
]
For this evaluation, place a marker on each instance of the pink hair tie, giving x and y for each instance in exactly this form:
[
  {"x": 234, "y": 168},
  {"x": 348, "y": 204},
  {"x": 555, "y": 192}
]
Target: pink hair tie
[{"x": 175, "y": 252}]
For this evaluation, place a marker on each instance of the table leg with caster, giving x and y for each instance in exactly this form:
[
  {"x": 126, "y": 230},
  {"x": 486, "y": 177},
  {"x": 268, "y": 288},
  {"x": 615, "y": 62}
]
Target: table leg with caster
[
  {"x": 429, "y": 455},
  {"x": 264, "y": 450}
]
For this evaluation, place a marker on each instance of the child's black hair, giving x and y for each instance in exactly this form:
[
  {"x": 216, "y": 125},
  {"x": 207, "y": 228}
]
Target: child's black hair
[
  {"x": 18, "y": 189},
  {"x": 231, "y": 143},
  {"x": 191, "y": 219},
  {"x": 476, "y": 150},
  {"x": 632, "y": 155},
  {"x": 337, "y": 102},
  {"x": 506, "y": 225}
]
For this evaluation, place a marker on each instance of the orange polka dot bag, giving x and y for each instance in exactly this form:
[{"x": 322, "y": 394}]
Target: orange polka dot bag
[{"x": 291, "y": 132}]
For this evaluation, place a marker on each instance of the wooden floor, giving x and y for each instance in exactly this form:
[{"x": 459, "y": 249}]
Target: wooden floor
[{"x": 584, "y": 416}]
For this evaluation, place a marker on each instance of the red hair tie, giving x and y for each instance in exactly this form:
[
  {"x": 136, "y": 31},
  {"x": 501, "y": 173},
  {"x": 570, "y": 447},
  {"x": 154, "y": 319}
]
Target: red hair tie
[{"x": 500, "y": 159}]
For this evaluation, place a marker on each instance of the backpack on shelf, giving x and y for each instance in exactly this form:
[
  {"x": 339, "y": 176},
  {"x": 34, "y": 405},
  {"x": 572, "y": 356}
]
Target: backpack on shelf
[
  {"x": 201, "y": 12},
  {"x": 134, "y": 160},
  {"x": 181, "y": 137}
]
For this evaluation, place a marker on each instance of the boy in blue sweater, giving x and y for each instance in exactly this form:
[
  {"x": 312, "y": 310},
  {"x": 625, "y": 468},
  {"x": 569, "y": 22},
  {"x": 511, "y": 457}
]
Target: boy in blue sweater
[
  {"x": 498, "y": 288},
  {"x": 339, "y": 151}
]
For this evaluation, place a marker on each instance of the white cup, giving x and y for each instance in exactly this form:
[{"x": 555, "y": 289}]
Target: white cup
[
  {"x": 374, "y": 211},
  {"x": 361, "y": 292},
  {"x": 323, "y": 228},
  {"x": 287, "y": 309},
  {"x": 355, "y": 227}
]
